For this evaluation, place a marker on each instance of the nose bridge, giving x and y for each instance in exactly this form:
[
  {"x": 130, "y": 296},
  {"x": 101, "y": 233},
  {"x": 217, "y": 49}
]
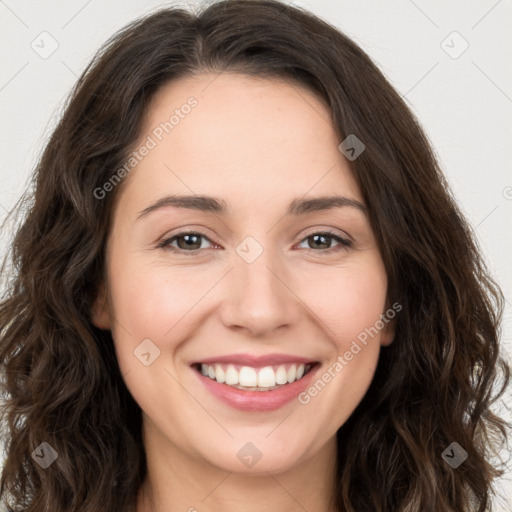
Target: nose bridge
[{"x": 259, "y": 299}]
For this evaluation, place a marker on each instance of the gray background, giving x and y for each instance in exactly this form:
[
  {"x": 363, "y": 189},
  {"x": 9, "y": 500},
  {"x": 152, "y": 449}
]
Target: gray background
[{"x": 462, "y": 96}]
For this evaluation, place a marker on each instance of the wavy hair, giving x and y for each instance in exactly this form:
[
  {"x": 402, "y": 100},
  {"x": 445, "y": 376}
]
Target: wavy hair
[{"x": 60, "y": 380}]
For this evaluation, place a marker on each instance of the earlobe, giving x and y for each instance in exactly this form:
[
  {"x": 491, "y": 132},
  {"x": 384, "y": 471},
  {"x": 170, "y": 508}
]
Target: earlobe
[
  {"x": 387, "y": 333},
  {"x": 100, "y": 315},
  {"x": 388, "y": 318}
]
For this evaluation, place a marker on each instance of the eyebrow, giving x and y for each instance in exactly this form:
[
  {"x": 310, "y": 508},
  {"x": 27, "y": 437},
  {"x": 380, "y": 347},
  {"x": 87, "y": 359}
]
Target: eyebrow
[{"x": 219, "y": 206}]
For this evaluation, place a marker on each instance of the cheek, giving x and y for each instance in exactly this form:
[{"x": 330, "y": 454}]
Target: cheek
[
  {"x": 347, "y": 300},
  {"x": 155, "y": 302},
  {"x": 151, "y": 300}
]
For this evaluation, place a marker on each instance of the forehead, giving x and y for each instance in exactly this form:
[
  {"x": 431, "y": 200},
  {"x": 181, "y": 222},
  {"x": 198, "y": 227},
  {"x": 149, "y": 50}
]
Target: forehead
[{"x": 255, "y": 141}]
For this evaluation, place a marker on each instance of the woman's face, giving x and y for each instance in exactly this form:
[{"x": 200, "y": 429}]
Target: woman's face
[{"x": 241, "y": 278}]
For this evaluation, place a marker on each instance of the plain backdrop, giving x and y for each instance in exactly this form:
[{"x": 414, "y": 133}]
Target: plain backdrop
[{"x": 449, "y": 60}]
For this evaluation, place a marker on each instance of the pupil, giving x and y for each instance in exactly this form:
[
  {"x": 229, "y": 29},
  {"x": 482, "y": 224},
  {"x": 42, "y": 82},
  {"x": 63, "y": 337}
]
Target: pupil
[
  {"x": 189, "y": 240},
  {"x": 316, "y": 237}
]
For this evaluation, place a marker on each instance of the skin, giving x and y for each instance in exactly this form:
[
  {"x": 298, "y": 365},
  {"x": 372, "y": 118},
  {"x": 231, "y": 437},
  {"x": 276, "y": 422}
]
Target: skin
[{"x": 258, "y": 144}]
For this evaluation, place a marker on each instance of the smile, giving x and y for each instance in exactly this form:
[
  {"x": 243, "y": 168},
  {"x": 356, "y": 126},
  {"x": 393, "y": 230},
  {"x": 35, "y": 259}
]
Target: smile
[
  {"x": 249, "y": 378},
  {"x": 255, "y": 383}
]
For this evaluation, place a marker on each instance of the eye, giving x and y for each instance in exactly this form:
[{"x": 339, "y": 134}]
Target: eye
[
  {"x": 324, "y": 238},
  {"x": 187, "y": 242},
  {"x": 191, "y": 242}
]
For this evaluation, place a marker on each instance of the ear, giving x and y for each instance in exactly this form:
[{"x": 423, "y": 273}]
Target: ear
[
  {"x": 100, "y": 314},
  {"x": 387, "y": 333}
]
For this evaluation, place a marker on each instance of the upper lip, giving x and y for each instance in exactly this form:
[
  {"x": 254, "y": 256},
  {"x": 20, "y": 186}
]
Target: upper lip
[{"x": 256, "y": 361}]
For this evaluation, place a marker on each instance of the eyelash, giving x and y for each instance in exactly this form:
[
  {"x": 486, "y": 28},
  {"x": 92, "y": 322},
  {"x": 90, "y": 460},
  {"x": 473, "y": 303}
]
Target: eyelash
[{"x": 344, "y": 243}]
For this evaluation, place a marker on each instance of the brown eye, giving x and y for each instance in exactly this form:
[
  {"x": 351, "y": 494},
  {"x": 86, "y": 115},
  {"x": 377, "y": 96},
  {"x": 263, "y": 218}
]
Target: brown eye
[
  {"x": 186, "y": 242},
  {"x": 191, "y": 243},
  {"x": 321, "y": 242}
]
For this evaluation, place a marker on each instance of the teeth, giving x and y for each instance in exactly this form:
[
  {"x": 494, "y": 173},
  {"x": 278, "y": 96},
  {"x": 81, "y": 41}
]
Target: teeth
[
  {"x": 266, "y": 377},
  {"x": 247, "y": 377},
  {"x": 281, "y": 375},
  {"x": 231, "y": 375},
  {"x": 292, "y": 373},
  {"x": 220, "y": 374}
]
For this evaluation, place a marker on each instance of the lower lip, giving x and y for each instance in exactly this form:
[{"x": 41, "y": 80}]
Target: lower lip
[{"x": 257, "y": 401}]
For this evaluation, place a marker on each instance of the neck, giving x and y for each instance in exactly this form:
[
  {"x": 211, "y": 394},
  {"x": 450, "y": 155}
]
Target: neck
[{"x": 178, "y": 480}]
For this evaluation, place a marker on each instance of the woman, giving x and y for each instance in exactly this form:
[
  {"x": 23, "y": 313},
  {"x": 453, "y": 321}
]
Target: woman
[{"x": 174, "y": 338}]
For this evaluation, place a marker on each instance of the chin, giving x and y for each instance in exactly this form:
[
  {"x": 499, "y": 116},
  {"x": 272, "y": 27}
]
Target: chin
[{"x": 257, "y": 455}]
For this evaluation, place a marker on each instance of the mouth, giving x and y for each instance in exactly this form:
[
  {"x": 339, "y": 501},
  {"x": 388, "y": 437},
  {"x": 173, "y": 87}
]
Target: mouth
[
  {"x": 249, "y": 378},
  {"x": 255, "y": 384}
]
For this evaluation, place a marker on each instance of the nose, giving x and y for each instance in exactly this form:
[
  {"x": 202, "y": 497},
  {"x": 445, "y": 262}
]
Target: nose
[{"x": 259, "y": 298}]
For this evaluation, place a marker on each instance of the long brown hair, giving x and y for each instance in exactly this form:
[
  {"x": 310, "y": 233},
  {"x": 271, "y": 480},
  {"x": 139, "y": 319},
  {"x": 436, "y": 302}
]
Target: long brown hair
[{"x": 61, "y": 384}]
